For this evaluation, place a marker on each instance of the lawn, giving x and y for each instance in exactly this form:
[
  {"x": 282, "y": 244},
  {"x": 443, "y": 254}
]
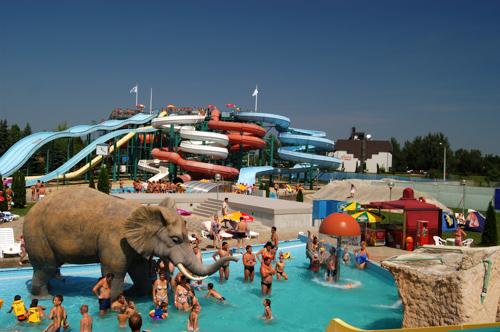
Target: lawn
[{"x": 23, "y": 211}]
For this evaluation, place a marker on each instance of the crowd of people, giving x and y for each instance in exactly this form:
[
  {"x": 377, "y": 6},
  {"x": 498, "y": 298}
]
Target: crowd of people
[{"x": 156, "y": 187}]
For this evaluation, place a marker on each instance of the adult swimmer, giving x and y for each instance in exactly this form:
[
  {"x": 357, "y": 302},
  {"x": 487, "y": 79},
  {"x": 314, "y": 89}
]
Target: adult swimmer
[{"x": 361, "y": 256}]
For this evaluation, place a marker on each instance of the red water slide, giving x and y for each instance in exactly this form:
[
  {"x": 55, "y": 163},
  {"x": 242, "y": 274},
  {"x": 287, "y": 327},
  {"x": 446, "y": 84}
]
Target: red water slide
[
  {"x": 196, "y": 167},
  {"x": 241, "y": 135}
]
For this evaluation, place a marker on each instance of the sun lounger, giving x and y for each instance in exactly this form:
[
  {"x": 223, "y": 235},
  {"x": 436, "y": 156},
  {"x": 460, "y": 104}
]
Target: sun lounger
[
  {"x": 439, "y": 241},
  {"x": 467, "y": 243},
  {"x": 8, "y": 245}
]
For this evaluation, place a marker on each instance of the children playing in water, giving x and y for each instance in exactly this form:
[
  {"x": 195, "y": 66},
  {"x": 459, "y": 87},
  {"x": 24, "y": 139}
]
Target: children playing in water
[
  {"x": 19, "y": 308},
  {"x": 331, "y": 265},
  {"x": 266, "y": 272},
  {"x": 315, "y": 263},
  {"x": 224, "y": 269},
  {"x": 86, "y": 320},
  {"x": 122, "y": 317},
  {"x": 160, "y": 311},
  {"x": 280, "y": 268},
  {"x": 36, "y": 312},
  {"x": 213, "y": 293},
  {"x": 346, "y": 258},
  {"x": 195, "y": 308},
  {"x": 249, "y": 261},
  {"x": 58, "y": 315},
  {"x": 102, "y": 291},
  {"x": 268, "y": 314},
  {"x": 361, "y": 256}
]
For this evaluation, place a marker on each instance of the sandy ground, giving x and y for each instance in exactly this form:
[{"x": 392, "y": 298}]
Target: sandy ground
[{"x": 366, "y": 192}]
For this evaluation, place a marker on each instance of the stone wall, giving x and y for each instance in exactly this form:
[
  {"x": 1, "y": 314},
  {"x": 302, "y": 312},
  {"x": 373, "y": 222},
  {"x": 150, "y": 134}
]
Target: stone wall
[{"x": 443, "y": 285}]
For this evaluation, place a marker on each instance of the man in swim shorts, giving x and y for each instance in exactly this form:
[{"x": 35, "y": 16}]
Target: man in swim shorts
[
  {"x": 103, "y": 292},
  {"x": 249, "y": 261},
  {"x": 240, "y": 234},
  {"x": 266, "y": 272},
  {"x": 224, "y": 269},
  {"x": 331, "y": 265}
]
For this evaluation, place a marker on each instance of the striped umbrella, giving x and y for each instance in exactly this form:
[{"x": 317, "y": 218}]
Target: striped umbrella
[
  {"x": 366, "y": 216},
  {"x": 352, "y": 206}
]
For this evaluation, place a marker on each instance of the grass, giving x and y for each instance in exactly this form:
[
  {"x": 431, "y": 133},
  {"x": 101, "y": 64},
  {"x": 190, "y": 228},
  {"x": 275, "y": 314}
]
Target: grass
[{"x": 23, "y": 211}]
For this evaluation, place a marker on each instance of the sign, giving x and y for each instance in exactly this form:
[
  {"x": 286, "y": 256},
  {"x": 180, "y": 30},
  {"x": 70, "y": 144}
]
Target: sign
[{"x": 102, "y": 149}]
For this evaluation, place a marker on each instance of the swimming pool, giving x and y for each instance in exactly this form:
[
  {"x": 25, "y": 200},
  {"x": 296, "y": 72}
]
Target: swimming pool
[{"x": 303, "y": 303}]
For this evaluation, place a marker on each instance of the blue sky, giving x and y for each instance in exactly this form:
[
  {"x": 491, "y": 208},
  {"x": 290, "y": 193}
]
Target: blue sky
[{"x": 391, "y": 68}]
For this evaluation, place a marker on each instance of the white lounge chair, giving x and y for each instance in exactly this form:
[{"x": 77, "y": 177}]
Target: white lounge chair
[
  {"x": 205, "y": 231},
  {"x": 467, "y": 243},
  {"x": 8, "y": 245},
  {"x": 439, "y": 241}
]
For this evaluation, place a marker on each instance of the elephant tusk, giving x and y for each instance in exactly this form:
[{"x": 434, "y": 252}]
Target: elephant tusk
[{"x": 188, "y": 274}]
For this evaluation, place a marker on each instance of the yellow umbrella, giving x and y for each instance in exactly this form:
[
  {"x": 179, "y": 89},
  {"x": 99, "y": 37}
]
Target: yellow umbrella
[
  {"x": 353, "y": 206},
  {"x": 366, "y": 216}
]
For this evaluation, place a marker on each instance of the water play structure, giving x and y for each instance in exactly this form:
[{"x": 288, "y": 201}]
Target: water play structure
[{"x": 200, "y": 142}]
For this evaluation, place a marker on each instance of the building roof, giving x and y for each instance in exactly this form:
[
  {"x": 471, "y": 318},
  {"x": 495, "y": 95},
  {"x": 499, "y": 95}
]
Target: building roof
[
  {"x": 407, "y": 202},
  {"x": 354, "y": 147}
]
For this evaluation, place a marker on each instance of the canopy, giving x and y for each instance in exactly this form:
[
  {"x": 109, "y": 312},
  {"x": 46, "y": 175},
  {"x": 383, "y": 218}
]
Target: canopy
[
  {"x": 351, "y": 206},
  {"x": 366, "y": 216},
  {"x": 339, "y": 224},
  {"x": 235, "y": 216}
]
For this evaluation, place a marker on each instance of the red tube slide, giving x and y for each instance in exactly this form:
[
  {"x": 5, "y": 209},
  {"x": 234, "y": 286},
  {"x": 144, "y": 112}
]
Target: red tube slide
[
  {"x": 240, "y": 133},
  {"x": 196, "y": 167}
]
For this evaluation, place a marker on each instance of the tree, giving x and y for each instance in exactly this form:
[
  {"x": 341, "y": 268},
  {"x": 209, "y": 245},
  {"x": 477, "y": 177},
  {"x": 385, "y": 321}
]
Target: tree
[
  {"x": 267, "y": 190},
  {"x": 300, "y": 196},
  {"x": 91, "y": 180},
  {"x": 27, "y": 130},
  {"x": 490, "y": 235},
  {"x": 15, "y": 133},
  {"x": 19, "y": 189},
  {"x": 4, "y": 137},
  {"x": 103, "y": 181},
  {"x": 3, "y": 197}
]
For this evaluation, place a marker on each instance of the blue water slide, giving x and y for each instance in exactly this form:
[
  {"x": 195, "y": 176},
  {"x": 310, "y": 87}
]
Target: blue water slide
[
  {"x": 20, "y": 152},
  {"x": 89, "y": 149}
]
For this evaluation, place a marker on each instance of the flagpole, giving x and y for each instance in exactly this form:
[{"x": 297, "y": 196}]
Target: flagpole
[
  {"x": 151, "y": 102},
  {"x": 256, "y": 96}
]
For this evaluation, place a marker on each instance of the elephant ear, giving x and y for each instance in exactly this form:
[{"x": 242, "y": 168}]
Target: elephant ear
[
  {"x": 168, "y": 203},
  {"x": 144, "y": 223}
]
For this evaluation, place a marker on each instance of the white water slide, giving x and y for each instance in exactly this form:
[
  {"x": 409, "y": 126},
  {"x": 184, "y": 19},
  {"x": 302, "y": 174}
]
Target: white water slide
[
  {"x": 153, "y": 166},
  {"x": 196, "y": 142}
]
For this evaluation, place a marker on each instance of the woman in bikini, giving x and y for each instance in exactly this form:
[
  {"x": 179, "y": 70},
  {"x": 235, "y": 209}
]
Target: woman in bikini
[
  {"x": 160, "y": 290},
  {"x": 181, "y": 294},
  {"x": 266, "y": 252},
  {"x": 195, "y": 307}
]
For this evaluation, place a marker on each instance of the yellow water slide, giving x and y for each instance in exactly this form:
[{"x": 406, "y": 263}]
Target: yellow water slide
[{"x": 338, "y": 325}]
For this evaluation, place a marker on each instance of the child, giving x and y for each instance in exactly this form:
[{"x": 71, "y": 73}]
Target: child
[
  {"x": 164, "y": 309},
  {"x": 315, "y": 263},
  {"x": 36, "y": 313},
  {"x": 58, "y": 315},
  {"x": 268, "y": 314},
  {"x": 122, "y": 317},
  {"x": 346, "y": 258},
  {"x": 195, "y": 311},
  {"x": 280, "y": 268},
  {"x": 19, "y": 308},
  {"x": 86, "y": 321},
  {"x": 213, "y": 293}
]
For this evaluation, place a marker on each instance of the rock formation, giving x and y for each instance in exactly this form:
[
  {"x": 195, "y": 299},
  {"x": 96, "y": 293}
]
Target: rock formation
[{"x": 446, "y": 285}]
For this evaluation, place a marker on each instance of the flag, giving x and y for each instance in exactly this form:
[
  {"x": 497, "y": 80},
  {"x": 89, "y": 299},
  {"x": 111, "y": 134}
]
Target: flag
[
  {"x": 255, "y": 92},
  {"x": 134, "y": 89}
]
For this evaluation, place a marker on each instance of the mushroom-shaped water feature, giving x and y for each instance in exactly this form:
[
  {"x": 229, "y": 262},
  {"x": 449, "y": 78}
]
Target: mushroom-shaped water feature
[{"x": 338, "y": 225}]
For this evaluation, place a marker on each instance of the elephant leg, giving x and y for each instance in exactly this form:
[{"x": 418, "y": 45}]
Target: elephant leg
[
  {"x": 138, "y": 272},
  {"x": 40, "y": 280}
]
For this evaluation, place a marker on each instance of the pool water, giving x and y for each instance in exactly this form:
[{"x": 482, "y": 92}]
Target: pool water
[{"x": 303, "y": 303}]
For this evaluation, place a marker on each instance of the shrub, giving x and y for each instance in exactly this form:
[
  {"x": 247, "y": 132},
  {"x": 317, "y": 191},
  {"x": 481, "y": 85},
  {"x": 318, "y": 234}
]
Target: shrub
[
  {"x": 91, "y": 180},
  {"x": 267, "y": 190},
  {"x": 103, "y": 181},
  {"x": 490, "y": 235},
  {"x": 19, "y": 189}
]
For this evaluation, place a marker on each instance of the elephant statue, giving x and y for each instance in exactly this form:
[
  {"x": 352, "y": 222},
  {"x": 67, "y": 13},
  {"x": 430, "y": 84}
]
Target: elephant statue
[{"x": 83, "y": 226}]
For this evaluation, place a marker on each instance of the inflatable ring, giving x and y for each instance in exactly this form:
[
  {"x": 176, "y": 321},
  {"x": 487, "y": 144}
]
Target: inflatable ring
[
  {"x": 287, "y": 255},
  {"x": 152, "y": 314}
]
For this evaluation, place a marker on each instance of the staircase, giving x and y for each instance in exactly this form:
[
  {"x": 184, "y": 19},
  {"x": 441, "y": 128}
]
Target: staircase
[{"x": 208, "y": 208}]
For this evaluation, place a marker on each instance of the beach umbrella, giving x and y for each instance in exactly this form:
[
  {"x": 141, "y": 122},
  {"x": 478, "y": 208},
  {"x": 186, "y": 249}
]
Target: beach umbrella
[
  {"x": 352, "y": 206},
  {"x": 366, "y": 216},
  {"x": 235, "y": 216}
]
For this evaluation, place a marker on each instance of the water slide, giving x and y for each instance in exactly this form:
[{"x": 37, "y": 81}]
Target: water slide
[
  {"x": 152, "y": 166},
  {"x": 62, "y": 171},
  {"x": 302, "y": 146},
  {"x": 19, "y": 153}
]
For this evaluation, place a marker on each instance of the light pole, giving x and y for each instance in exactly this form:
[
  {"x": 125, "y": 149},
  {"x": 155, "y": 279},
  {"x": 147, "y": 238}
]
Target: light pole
[
  {"x": 391, "y": 185},
  {"x": 444, "y": 160},
  {"x": 217, "y": 180}
]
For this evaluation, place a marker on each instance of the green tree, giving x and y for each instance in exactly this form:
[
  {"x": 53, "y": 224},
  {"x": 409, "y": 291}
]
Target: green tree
[
  {"x": 103, "y": 181},
  {"x": 27, "y": 130},
  {"x": 4, "y": 137},
  {"x": 398, "y": 158},
  {"x": 300, "y": 196},
  {"x": 490, "y": 235},
  {"x": 19, "y": 189},
  {"x": 15, "y": 133},
  {"x": 91, "y": 180},
  {"x": 3, "y": 198},
  {"x": 267, "y": 190}
]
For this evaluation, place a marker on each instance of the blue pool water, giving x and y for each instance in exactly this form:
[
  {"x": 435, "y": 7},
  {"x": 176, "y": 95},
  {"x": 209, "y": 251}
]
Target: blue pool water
[{"x": 303, "y": 303}]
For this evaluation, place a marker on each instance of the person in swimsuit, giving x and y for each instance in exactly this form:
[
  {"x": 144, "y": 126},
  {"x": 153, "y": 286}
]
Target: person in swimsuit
[
  {"x": 346, "y": 258},
  {"x": 224, "y": 269},
  {"x": 249, "y": 262},
  {"x": 160, "y": 290},
  {"x": 315, "y": 263},
  {"x": 215, "y": 228},
  {"x": 458, "y": 235},
  {"x": 195, "y": 307},
  {"x": 36, "y": 312},
  {"x": 331, "y": 265},
  {"x": 86, "y": 321},
  {"x": 130, "y": 308},
  {"x": 268, "y": 314},
  {"x": 240, "y": 234},
  {"x": 19, "y": 309},
  {"x": 122, "y": 317},
  {"x": 266, "y": 252},
  {"x": 266, "y": 272},
  {"x": 274, "y": 238},
  {"x": 361, "y": 256},
  {"x": 181, "y": 294},
  {"x": 213, "y": 293},
  {"x": 280, "y": 268},
  {"x": 58, "y": 316},
  {"x": 102, "y": 291},
  {"x": 119, "y": 303}
]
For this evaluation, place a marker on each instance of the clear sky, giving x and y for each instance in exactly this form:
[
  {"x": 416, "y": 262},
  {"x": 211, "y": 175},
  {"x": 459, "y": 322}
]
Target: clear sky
[{"x": 391, "y": 68}]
